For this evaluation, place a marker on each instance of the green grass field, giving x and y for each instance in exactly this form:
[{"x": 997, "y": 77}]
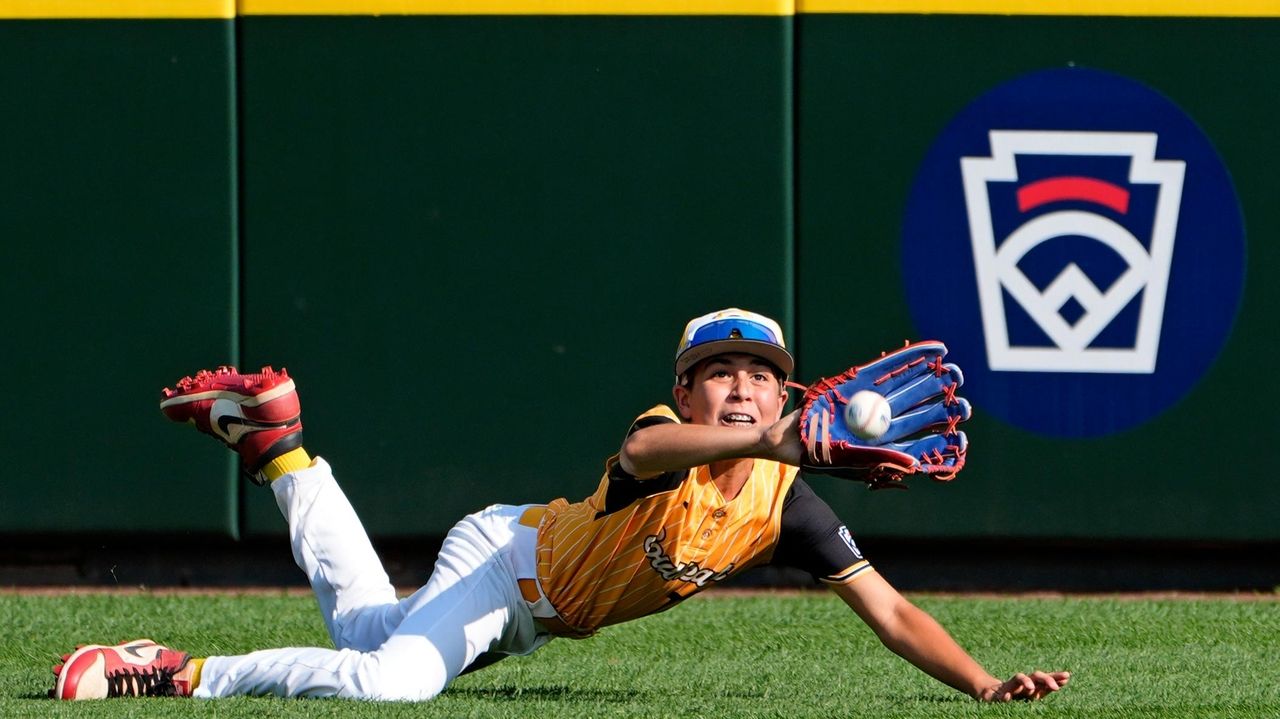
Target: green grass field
[{"x": 720, "y": 656}]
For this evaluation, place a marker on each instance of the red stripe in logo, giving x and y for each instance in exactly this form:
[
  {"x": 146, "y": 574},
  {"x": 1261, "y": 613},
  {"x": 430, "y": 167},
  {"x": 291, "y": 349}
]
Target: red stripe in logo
[{"x": 1054, "y": 189}]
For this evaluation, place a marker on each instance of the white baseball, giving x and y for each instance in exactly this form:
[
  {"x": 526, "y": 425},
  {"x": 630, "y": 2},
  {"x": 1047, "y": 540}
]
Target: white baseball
[{"x": 867, "y": 415}]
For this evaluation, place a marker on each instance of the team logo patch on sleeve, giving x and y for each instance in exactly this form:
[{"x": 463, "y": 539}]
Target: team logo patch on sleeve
[
  {"x": 848, "y": 540},
  {"x": 1096, "y": 246}
]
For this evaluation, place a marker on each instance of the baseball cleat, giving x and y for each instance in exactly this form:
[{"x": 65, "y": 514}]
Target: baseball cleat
[
  {"x": 257, "y": 415},
  {"x": 140, "y": 668}
]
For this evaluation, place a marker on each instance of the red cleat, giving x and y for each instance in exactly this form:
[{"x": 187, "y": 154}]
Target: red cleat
[
  {"x": 257, "y": 415},
  {"x": 140, "y": 668}
]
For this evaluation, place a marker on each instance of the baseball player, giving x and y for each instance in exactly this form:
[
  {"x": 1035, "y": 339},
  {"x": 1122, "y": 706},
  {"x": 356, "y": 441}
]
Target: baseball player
[{"x": 695, "y": 495}]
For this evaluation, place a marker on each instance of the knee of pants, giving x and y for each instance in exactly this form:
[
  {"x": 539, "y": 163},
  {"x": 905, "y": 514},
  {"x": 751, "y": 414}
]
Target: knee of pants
[
  {"x": 393, "y": 676},
  {"x": 366, "y": 628}
]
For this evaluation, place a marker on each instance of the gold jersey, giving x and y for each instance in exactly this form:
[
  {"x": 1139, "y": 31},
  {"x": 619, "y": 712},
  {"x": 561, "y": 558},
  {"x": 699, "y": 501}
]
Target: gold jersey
[{"x": 636, "y": 547}]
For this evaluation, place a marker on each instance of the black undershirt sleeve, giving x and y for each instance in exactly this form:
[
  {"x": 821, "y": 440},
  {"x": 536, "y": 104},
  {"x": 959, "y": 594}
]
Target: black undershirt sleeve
[
  {"x": 814, "y": 539},
  {"x": 624, "y": 488}
]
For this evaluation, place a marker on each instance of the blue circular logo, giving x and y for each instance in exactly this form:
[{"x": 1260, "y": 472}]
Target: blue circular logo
[{"x": 1076, "y": 241}]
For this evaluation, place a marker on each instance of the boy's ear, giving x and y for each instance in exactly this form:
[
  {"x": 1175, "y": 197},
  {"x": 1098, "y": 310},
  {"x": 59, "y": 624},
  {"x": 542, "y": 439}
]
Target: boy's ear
[{"x": 681, "y": 395}]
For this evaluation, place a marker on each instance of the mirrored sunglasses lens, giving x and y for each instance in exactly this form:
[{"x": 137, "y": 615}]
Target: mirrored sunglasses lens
[{"x": 732, "y": 329}]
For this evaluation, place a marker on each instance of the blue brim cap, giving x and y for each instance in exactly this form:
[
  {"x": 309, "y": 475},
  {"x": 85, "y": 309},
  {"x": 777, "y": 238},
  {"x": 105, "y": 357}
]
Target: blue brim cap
[{"x": 732, "y": 331}]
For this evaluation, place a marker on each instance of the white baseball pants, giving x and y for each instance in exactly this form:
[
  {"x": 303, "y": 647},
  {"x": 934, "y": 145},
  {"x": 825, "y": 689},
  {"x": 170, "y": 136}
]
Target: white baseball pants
[{"x": 389, "y": 649}]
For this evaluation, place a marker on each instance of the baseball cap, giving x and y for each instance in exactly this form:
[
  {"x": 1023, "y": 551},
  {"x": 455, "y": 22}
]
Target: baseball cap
[{"x": 732, "y": 330}]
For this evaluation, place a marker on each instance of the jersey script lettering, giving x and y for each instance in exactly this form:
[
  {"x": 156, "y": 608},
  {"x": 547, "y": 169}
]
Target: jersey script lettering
[{"x": 686, "y": 572}]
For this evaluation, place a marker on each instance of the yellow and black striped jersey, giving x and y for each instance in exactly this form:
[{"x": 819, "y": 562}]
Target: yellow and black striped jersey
[{"x": 636, "y": 547}]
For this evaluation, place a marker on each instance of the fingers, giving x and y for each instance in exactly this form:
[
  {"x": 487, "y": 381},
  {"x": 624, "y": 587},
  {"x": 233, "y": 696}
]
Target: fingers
[
  {"x": 1028, "y": 687},
  {"x": 936, "y": 454},
  {"x": 1049, "y": 682},
  {"x": 1046, "y": 680},
  {"x": 932, "y": 415},
  {"x": 1020, "y": 686},
  {"x": 1015, "y": 687},
  {"x": 921, "y": 385},
  {"x": 895, "y": 367}
]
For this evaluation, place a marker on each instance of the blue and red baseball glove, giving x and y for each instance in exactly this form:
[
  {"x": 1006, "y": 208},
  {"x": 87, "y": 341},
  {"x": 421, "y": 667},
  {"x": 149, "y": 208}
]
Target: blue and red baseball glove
[{"x": 922, "y": 436}]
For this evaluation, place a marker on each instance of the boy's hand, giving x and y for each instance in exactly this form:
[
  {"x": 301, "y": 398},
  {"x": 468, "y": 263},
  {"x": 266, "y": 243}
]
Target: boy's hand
[
  {"x": 780, "y": 441},
  {"x": 1026, "y": 687}
]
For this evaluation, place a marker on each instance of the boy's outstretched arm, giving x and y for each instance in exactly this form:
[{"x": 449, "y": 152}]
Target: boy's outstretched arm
[
  {"x": 917, "y": 637},
  {"x": 667, "y": 447}
]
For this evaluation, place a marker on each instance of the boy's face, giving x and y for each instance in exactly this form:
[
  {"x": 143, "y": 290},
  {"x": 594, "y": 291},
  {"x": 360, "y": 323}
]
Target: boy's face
[{"x": 732, "y": 390}]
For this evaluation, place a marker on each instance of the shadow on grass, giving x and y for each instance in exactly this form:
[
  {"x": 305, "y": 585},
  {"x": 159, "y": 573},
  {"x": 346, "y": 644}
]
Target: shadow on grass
[
  {"x": 554, "y": 693},
  {"x": 572, "y": 694},
  {"x": 930, "y": 699}
]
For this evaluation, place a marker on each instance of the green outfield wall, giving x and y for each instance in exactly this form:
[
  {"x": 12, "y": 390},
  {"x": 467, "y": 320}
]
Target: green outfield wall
[
  {"x": 465, "y": 229},
  {"x": 474, "y": 231},
  {"x": 873, "y": 95},
  {"x": 118, "y": 265}
]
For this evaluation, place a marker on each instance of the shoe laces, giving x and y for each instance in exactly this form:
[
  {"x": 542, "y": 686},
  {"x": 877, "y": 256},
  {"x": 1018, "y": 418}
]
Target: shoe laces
[{"x": 134, "y": 682}]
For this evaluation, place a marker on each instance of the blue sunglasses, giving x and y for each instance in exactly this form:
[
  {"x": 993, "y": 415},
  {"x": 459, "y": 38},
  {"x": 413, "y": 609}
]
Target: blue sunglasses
[{"x": 732, "y": 329}]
